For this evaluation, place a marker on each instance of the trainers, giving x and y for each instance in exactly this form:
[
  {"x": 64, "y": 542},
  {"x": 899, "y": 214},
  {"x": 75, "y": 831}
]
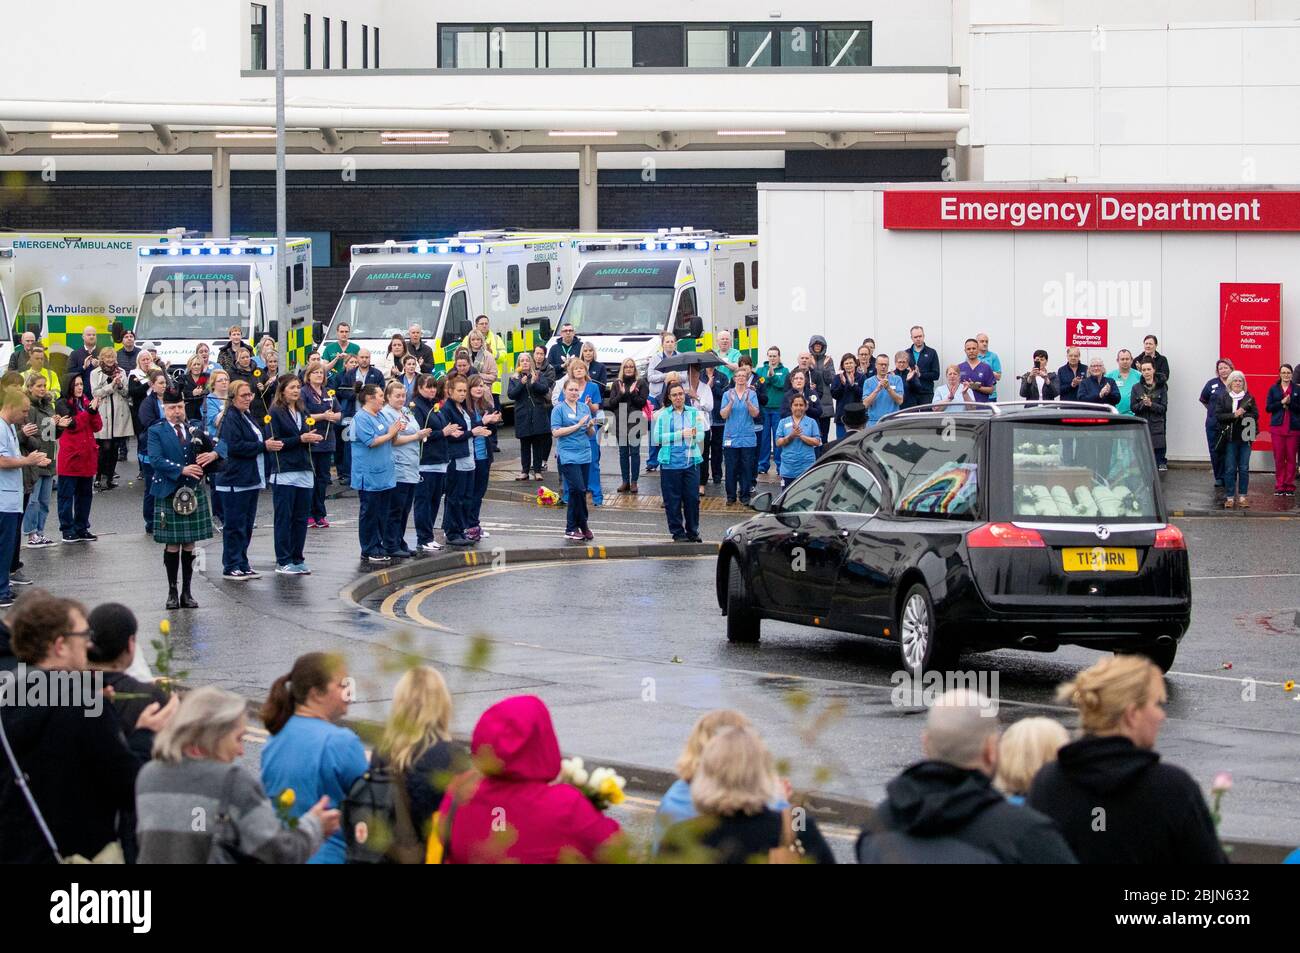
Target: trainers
[
  {"x": 459, "y": 541},
  {"x": 588, "y": 535},
  {"x": 6, "y": 601},
  {"x": 432, "y": 546},
  {"x": 302, "y": 569},
  {"x": 291, "y": 570},
  {"x": 18, "y": 579},
  {"x": 576, "y": 536},
  {"x": 376, "y": 559},
  {"x": 322, "y": 524},
  {"x": 89, "y": 537},
  {"x": 236, "y": 575},
  {"x": 311, "y": 522},
  {"x": 73, "y": 539},
  {"x": 33, "y": 539}
]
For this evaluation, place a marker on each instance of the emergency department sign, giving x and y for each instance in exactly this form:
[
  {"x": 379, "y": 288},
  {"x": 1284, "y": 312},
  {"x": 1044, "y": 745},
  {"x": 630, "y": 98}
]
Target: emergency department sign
[{"x": 1086, "y": 332}]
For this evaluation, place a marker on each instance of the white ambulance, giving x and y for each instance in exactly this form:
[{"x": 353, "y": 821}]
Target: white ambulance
[
  {"x": 60, "y": 283},
  {"x": 628, "y": 292},
  {"x": 192, "y": 291}
]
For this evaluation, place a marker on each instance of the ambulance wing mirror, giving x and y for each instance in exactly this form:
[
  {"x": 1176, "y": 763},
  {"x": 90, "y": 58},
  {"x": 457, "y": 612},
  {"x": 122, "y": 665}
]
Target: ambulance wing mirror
[
  {"x": 31, "y": 310},
  {"x": 117, "y": 329},
  {"x": 273, "y": 329}
]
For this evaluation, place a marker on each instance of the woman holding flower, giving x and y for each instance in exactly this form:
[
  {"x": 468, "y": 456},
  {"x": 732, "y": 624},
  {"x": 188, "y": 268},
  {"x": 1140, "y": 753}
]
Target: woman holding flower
[
  {"x": 517, "y": 756},
  {"x": 324, "y": 414},
  {"x": 1155, "y": 813},
  {"x": 486, "y": 418},
  {"x": 265, "y": 381},
  {"x": 293, "y": 481},
  {"x": 243, "y": 444}
]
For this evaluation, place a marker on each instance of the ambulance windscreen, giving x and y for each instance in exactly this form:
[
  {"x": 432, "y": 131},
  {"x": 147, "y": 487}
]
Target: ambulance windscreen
[
  {"x": 622, "y": 298},
  {"x": 198, "y": 302},
  {"x": 382, "y": 300}
]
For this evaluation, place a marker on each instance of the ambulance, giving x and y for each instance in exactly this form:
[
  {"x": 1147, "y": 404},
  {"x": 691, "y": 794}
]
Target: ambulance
[
  {"x": 60, "y": 283},
  {"x": 628, "y": 292},
  {"x": 192, "y": 291}
]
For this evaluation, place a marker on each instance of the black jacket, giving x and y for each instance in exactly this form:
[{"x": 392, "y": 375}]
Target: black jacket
[
  {"x": 1065, "y": 380},
  {"x": 294, "y": 456},
  {"x": 81, "y": 771},
  {"x": 8, "y": 661},
  {"x": 1159, "y": 360},
  {"x": 813, "y": 395},
  {"x": 626, "y": 406},
  {"x": 937, "y": 812},
  {"x": 740, "y": 838},
  {"x": 1223, "y": 414},
  {"x": 532, "y": 404},
  {"x": 923, "y": 383},
  {"x": 1153, "y": 813},
  {"x": 1155, "y": 414},
  {"x": 1029, "y": 389}
]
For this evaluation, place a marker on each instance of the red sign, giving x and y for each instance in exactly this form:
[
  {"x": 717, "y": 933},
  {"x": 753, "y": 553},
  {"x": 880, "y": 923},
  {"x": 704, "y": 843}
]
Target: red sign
[
  {"x": 1222, "y": 211},
  {"x": 1250, "y": 335},
  {"x": 1086, "y": 332}
]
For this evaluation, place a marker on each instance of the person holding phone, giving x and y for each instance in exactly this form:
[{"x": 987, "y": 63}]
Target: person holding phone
[
  {"x": 109, "y": 383},
  {"x": 573, "y": 426},
  {"x": 846, "y": 389},
  {"x": 1038, "y": 383}
]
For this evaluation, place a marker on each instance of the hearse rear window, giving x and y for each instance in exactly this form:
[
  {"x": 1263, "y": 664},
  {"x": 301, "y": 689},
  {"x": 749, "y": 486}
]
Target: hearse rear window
[
  {"x": 1077, "y": 471},
  {"x": 932, "y": 471}
]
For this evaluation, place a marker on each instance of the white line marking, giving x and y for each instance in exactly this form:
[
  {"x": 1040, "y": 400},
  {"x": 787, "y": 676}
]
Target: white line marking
[{"x": 1267, "y": 575}]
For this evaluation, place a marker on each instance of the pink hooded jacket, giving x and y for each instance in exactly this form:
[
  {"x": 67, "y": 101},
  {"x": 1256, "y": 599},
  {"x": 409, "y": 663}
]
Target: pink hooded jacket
[{"x": 541, "y": 820}]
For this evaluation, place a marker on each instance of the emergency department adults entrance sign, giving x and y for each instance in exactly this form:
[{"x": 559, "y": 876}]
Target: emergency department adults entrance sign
[{"x": 1070, "y": 210}]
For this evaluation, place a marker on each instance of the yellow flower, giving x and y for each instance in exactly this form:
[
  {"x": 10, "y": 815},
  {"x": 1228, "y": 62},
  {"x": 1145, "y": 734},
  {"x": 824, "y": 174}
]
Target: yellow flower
[
  {"x": 311, "y": 421},
  {"x": 1288, "y": 685},
  {"x": 165, "y": 626},
  {"x": 257, "y": 373},
  {"x": 287, "y": 797},
  {"x": 330, "y": 392},
  {"x": 266, "y": 419}
]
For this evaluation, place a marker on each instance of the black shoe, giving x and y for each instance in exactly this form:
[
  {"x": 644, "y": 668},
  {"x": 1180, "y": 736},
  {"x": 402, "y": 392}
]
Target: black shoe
[
  {"x": 187, "y": 601},
  {"x": 88, "y": 537},
  {"x": 680, "y": 538},
  {"x": 173, "y": 600},
  {"x": 18, "y": 579},
  {"x": 694, "y": 538}
]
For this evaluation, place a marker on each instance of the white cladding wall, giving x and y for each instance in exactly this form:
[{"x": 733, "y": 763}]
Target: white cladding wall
[
  {"x": 830, "y": 268},
  {"x": 1164, "y": 103}
]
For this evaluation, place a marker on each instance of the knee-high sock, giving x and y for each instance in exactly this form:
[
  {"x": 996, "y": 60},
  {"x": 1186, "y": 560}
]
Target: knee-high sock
[
  {"x": 187, "y": 567},
  {"x": 171, "y": 559}
]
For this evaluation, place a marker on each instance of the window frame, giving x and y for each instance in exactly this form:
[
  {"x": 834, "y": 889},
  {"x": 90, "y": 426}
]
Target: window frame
[
  {"x": 325, "y": 43},
  {"x": 365, "y": 46},
  {"x": 817, "y": 468},
  {"x": 306, "y": 41},
  {"x": 536, "y": 266},
  {"x": 343, "y": 44},
  {"x": 875, "y": 481},
  {"x": 257, "y": 36}
]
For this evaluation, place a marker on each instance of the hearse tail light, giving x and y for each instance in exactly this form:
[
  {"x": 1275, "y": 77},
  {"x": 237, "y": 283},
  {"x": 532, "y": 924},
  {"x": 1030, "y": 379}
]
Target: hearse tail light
[
  {"x": 1004, "y": 536},
  {"x": 1170, "y": 537}
]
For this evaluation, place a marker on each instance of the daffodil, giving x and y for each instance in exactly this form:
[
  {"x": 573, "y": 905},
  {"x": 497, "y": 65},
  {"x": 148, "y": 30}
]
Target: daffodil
[
  {"x": 287, "y": 798},
  {"x": 164, "y": 626},
  {"x": 330, "y": 392},
  {"x": 257, "y": 373}
]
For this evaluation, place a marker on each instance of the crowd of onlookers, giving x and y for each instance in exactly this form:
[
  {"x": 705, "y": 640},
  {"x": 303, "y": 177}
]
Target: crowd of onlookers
[{"x": 159, "y": 775}]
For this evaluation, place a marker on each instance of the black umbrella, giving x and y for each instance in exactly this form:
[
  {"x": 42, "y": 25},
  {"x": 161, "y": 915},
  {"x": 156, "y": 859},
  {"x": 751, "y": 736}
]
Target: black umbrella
[{"x": 700, "y": 359}]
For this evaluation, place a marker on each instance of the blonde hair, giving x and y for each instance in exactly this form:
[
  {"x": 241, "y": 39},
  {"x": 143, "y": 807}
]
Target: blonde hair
[
  {"x": 1025, "y": 747},
  {"x": 206, "y": 715},
  {"x": 708, "y": 725},
  {"x": 421, "y": 717},
  {"x": 734, "y": 774},
  {"x": 107, "y": 352},
  {"x": 1104, "y": 692}
]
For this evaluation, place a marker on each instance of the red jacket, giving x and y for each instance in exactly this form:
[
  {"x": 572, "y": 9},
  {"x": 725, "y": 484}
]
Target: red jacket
[
  {"x": 78, "y": 451},
  {"x": 542, "y": 819}
]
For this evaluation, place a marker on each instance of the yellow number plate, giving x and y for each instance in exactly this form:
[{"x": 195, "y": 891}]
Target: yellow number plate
[{"x": 1100, "y": 559}]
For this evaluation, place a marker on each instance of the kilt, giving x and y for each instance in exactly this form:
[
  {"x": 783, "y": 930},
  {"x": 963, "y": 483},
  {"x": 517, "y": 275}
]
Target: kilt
[{"x": 170, "y": 528}]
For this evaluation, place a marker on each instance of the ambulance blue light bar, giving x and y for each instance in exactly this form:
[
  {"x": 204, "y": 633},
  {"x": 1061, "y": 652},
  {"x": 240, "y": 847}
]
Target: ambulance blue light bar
[{"x": 147, "y": 251}]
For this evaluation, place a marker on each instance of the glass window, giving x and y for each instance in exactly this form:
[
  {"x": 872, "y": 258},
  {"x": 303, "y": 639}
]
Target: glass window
[
  {"x": 847, "y": 46},
  {"x": 299, "y": 276},
  {"x": 513, "y": 49},
  {"x": 1083, "y": 472},
  {"x": 343, "y": 41},
  {"x": 797, "y": 46},
  {"x": 706, "y": 48},
  {"x": 753, "y": 274},
  {"x": 376, "y": 47},
  {"x": 512, "y": 284},
  {"x": 257, "y": 21},
  {"x": 932, "y": 471},
  {"x": 306, "y": 41},
  {"x": 539, "y": 275},
  {"x": 365, "y": 46},
  {"x": 612, "y": 49},
  {"x": 659, "y": 45},
  {"x": 461, "y": 49},
  {"x": 738, "y": 280},
  {"x": 803, "y": 495},
  {"x": 856, "y": 491},
  {"x": 753, "y": 48},
  {"x": 565, "y": 49},
  {"x": 457, "y": 325},
  {"x": 325, "y": 43}
]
